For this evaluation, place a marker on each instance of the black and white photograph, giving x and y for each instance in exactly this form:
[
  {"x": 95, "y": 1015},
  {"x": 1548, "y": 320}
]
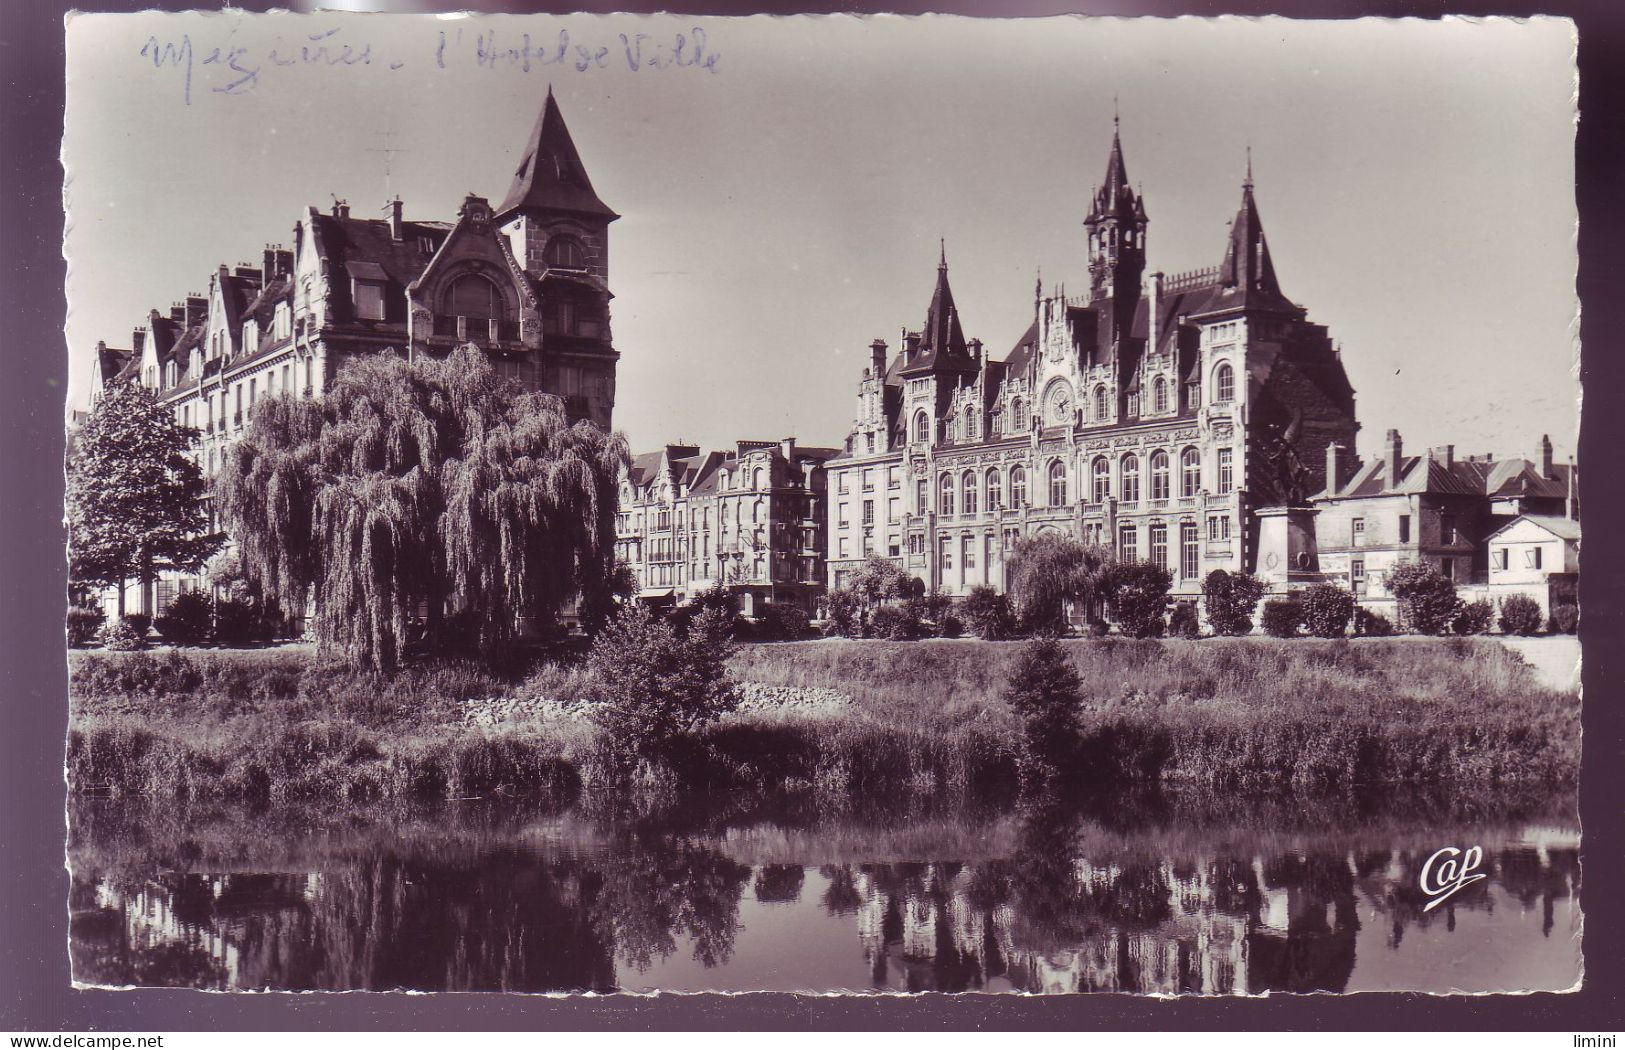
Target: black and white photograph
[{"x": 611, "y": 503}]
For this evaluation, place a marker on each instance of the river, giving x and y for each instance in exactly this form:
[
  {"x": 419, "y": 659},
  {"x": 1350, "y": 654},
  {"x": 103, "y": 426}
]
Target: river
[{"x": 1156, "y": 894}]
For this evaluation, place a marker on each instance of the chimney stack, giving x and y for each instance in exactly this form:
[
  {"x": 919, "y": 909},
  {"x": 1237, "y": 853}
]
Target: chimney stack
[
  {"x": 976, "y": 351},
  {"x": 177, "y": 312},
  {"x": 341, "y": 208},
  {"x": 1546, "y": 456},
  {"x": 394, "y": 208},
  {"x": 788, "y": 447},
  {"x": 1334, "y": 468},
  {"x": 197, "y": 310},
  {"x": 1444, "y": 455},
  {"x": 138, "y": 340},
  {"x": 1392, "y": 451},
  {"x": 877, "y": 358}
]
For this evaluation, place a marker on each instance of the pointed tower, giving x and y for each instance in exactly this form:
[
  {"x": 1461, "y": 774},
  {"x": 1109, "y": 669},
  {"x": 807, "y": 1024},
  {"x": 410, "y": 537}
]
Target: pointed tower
[
  {"x": 1247, "y": 273},
  {"x": 1116, "y": 225},
  {"x": 558, "y": 229},
  {"x": 938, "y": 352}
]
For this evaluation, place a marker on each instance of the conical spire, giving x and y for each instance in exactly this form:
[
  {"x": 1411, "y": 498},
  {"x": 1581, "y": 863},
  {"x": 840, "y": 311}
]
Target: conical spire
[
  {"x": 1247, "y": 266},
  {"x": 550, "y": 174},
  {"x": 942, "y": 333}
]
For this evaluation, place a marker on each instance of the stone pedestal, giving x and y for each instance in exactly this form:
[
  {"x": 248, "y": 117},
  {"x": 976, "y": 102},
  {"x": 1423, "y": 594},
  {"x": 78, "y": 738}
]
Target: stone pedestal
[{"x": 1286, "y": 545}]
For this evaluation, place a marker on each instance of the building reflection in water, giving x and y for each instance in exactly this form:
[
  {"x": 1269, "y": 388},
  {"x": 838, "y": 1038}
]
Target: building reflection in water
[{"x": 518, "y": 916}]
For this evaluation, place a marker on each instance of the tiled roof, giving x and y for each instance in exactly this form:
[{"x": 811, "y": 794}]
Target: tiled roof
[
  {"x": 367, "y": 248},
  {"x": 1464, "y": 477},
  {"x": 942, "y": 342}
]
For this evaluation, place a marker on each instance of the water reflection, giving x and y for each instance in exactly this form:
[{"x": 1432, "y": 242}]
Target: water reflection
[{"x": 1141, "y": 898}]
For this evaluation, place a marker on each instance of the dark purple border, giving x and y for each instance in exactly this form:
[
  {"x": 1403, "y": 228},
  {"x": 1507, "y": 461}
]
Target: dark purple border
[{"x": 34, "y": 990}]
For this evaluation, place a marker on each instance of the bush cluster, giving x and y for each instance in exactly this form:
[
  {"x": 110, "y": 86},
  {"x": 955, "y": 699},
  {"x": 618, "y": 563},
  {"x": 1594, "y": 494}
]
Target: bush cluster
[
  {"x": 1282, "y": 617},
  {"x": 84, "y": 622},
  {"x": 1474, "y": 617},
  {"x": 1565, "y": 618},
  {"x": 125, "y": 634},
  {"x": 1520, "y": 615},
  {"x": 1327, "y": 610},
  {"x": 656, "y": 683},
  {"x": 1139, "y": 597},
  {"x": 1184, "y": 623},
  {"x": 1368, "y": 624},
  {"x": 1427, "y": 600},
  {"x": 1045, "y": 691}
]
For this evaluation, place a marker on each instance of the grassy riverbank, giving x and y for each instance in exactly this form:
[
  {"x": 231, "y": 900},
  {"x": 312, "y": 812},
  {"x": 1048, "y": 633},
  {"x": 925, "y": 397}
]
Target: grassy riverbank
[{"x": 1251, "y": 713}]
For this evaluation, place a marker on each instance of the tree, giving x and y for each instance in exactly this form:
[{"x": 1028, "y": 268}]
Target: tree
[
  {"x": 1046, "y": 692},
  {"x": 135, "y": 497},
  {"x": 845, "y": 613},
  {"x": 881, "y": 580},
  {"x": 1230, "y": 598},
  {"x": 1139, "y": 597},
  {"x": 1048, "y": 571},
  {"x": 433, "y": 484},
  {"x": 1327, "y": 609},
  {"x": 656, "y": 684},
  {"x": 1427, "y": 599}
]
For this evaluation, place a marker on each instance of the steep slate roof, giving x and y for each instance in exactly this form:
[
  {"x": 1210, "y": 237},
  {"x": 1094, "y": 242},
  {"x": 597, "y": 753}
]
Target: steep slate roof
[
  {"x": 942, "y": 342},
  {"x": 112, "y": 362},
  {"x": 1247, "y": 275},
  {"x": 550, "y": 174},
  {"x": 1464, "y": 477},
  {"x": 1115, "y": 196},
  {"x": 352, "y": 245}
]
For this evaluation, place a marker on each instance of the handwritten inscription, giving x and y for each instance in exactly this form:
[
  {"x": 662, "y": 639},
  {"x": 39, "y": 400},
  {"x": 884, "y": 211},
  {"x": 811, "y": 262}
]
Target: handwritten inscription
[{"x": 236, "y": 70}]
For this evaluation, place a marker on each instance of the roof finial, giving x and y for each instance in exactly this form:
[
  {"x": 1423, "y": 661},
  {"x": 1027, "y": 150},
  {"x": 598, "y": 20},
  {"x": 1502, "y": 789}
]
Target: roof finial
[
  {"x": 550, "y": 89},
  {"x": 1116, "y": 120},
  {"x": 942, "y": 258},
  {"x": 1248, "y": 182}
]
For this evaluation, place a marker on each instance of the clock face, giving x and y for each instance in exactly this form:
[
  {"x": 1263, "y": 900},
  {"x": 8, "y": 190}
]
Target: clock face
[{"x": 1059, "y": 404}]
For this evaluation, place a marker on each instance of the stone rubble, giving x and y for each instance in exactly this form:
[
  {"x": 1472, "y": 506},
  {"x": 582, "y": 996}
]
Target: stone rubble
[{"x": 754, "y": 697}]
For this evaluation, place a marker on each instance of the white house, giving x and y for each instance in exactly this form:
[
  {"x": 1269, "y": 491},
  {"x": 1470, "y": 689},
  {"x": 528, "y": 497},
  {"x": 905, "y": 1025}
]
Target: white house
[{"x": 1535, "y": 555}]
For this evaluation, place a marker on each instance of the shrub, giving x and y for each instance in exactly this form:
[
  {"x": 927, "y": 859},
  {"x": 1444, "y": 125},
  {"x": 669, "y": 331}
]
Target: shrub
[
  {"x": 897, "y": 623},
  {"x": 188, "y": 619},
  {"x": 83, "y": 624},
  {"x": 654, "y": 685},
  {"x": 1184, "y": 622},
  {"x": 1520, "y": 614},
  {"x": 1099, "y": 628},
  {"x": 238, "y": 621},
  {"x": 880, "y": 579},
  {"x": 121, "y": 635},
  {"x": 781, "y": 623},
  {"x": 1368, "y": 624},
  {"x": 989, "y": 615},
  {"x": 1045, "y": 691},
  {"x": 1427, "y": 601},
  {"x": 1474, "y": 617},
  {"x": 139, "y": 622},
  {"x": 1327, "y": 609},
  {"x": 845, "y": 609},
  {"x": 952, "y": 626},
  {"x": 1282, "y": 617},
  {"x": 1048, "y": 571},
  {"x": 1565, "y": 618},
  {"x": 1230, "y": 598},
  {"x": 1139, "y": 597}
]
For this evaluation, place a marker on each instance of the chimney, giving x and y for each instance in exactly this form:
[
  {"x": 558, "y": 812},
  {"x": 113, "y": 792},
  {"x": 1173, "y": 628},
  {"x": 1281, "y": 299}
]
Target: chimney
[
  {"x": 1392, "y": 451},
  {"x": 394, "y": 208},
  {"x": 138, "y": 340},
  {"x": 177, "y": 312},
  {"x": 1334, "y": 468},
  {"x": 911, "y": 342},
  {"x": 1156, "y": 305},
  {"x": 788, "y": 447},
  {"x": 341, "y": 208},
  {"x": 1444, "y": 455},
  {"x": 877, "y": 358},
  {"x": 197, "y": 310},
  {"x": 976, "y": 352},
  {"x": 1546, "y": 456}
]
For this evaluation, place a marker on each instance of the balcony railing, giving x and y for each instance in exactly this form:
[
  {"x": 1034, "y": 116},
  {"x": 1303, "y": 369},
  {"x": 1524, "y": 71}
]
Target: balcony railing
[{"x": 488, "y": 329}]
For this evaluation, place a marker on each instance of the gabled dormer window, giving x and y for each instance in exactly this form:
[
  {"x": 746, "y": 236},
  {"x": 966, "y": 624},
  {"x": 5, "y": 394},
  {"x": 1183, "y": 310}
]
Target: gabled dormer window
[
  {"x": 284, "y": 321},
  {"x": 251, "y": 336}
]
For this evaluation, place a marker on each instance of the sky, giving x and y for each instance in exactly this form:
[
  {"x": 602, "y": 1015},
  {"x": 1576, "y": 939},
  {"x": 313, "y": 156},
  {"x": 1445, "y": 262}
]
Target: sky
[{"x": 784, "y": 186}]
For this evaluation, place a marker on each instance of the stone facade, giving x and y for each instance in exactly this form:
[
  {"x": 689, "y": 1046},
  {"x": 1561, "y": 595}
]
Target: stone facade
[
  {"x": 749, "y": 520},
  {"x": 1151, "y": 417}
]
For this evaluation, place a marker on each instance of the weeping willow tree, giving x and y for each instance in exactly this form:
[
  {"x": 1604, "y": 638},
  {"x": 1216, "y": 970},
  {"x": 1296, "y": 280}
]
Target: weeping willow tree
[{"x": 432, "y": 485}]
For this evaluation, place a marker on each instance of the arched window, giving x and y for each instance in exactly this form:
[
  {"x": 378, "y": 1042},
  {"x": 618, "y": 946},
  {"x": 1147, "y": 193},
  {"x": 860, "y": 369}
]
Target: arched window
[
  {"x": 761, "y": 477},
  {"x": 970, "y": 423},
  {"x": 967, "y": 496},
  {"x": 1100, "y": 403},
  {"x": 1018, "y": 417},
  {"x": 1159, "y": 474},
  {"x": 1057, "y": 484},
  {"x": 1224, "y": 384},
  {"x": 945, "y": 496},
  {"x": 1190, "y": 472},
  {"x": 566, "y": 253},
  {"x": 473, "y": 296},
  {"x": 1159, "y": 396},
  {"x": 1130, "y": 473},
  {"x": 1018, "y": 487},
  {"x": 922, "y": 428},
  {"x": 1101, "y": 478},
  {"x": 995, "y": 491}
]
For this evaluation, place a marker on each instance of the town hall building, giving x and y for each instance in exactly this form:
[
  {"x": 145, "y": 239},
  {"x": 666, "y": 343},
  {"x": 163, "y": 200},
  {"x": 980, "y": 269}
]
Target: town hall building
[{"x": 1155, "y": 416}]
